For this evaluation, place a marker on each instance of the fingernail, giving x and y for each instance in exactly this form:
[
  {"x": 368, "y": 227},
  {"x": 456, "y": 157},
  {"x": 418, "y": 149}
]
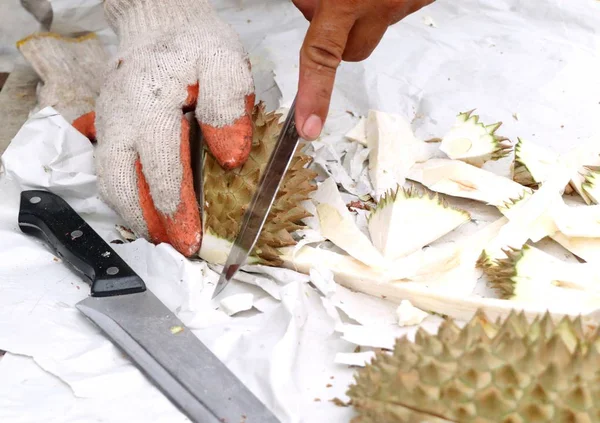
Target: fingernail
[{"x": 312, "y": 127}]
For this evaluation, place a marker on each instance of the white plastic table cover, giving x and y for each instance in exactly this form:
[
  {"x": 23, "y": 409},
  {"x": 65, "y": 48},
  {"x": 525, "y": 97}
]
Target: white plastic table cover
[{"x": 532, "y": 65}]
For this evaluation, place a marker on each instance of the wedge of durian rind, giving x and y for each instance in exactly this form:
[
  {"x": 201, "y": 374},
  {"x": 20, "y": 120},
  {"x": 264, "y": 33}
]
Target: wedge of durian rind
[
  {"x": 512, "y": 371},
  {"x": 591, "y": 184},
  {"x": 531, "y": 276},
  {"x": 533, "y": 163},
  {"x": 405, "y": 220},
  {"x": 472, "y": 141},
  {"x": 227, "y": 194}
]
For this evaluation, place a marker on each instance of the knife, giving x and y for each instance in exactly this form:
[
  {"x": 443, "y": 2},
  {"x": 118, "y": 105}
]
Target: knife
[
  {"x": 137, "y": 322},
  {"x": 260, "y": 206}
]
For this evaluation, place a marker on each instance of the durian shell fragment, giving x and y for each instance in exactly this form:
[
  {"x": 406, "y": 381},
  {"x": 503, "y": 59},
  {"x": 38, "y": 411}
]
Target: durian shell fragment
[
  {"x": 509, "y": 371},
  {"x": 227, "y": 194},
  {"x": 474, "y": 142}
]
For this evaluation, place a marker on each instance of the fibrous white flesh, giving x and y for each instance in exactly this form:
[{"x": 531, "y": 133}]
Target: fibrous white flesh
[
  {"x": 460, "y": 179},
  {"x": 393, "y": 150},
  {"x": 409, "y": 315},
  {"x": 587, "y": 249},
  {"x": 405, "y": 221},
  {"x": 356, "y": 276},
  {"x": 539, "y": 265},
  {"x": 472, "y": 141},
  {"x": 215, "y": 250},
  {"x": 578, "y": 221},
  {"x": 533, "y": 163},
  {"x": 343, "y": 232}
]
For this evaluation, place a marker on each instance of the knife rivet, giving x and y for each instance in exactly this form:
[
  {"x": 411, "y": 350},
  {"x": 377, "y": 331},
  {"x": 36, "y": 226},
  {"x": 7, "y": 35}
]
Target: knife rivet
[
  {"x": 35, "y": 200},
  {"x": 112, "y": 270},
  {"x": 76, "y": 234}
]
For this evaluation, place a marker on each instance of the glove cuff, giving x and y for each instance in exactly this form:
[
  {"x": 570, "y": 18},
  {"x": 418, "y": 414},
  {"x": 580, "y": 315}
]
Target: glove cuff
[
  {"x": 131, "y": 19},
  {"x": 70, "y": 69},
  {"x": 50, "y": 53}
]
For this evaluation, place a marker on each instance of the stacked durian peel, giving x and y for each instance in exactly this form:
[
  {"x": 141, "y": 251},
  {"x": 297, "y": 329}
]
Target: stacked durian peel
[
  {"x": 415, "y": 247},
  {"x": 402, "y": 254}
]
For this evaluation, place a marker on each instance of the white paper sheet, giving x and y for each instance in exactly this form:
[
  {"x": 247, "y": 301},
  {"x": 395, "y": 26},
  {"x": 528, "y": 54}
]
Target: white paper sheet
[{"x": 502, "y": 58}]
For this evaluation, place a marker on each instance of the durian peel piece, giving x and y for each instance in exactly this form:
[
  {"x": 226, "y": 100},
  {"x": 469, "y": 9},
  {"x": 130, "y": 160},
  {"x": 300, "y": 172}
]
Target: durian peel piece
[
  {"x": 459, "y": 179},
  {"x": 470, "y": 140},
  {"x": 393, "y": 150},
  {"x": 533, "y": 163},
  {"x": 406, "y": 220},
  {"x": 514, "y": 369},
  {"x": 530, "y": 275}
]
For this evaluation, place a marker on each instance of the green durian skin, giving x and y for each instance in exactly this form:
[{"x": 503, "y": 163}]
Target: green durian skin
[
  {"x": 511, "y": 371},
  {"x": 227, "y": 194}
]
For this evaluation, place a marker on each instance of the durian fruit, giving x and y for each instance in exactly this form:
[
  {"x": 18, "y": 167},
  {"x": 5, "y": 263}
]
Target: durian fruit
[
  {"x": 473, "y": 142},
  {"x": 513, "y": 370},
  {"x": 533, "y": 163},
  {"x": 227, "y": 195}
]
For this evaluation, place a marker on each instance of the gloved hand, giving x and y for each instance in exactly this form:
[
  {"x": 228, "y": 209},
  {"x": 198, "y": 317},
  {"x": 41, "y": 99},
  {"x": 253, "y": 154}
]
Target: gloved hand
[
  {"x": 173, "y": 56},
  {"x": 339, "y": 30}
]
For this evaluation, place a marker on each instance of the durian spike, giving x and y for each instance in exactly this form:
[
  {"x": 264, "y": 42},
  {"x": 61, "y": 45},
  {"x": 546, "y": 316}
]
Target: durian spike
[{"x": 534, "y": 371}]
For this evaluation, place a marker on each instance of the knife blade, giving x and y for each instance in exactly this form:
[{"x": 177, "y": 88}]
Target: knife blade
[
  {"x": 137, "y": 322},
  {"x": 197, "y": 158},
  {"x": 262, "y": 201}
]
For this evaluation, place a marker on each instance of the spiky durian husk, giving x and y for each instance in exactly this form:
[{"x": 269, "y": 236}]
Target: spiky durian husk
[
  {"x": 501, "y": 271},
  {"x": 412, "y": 193},
  {"x": 227, "y": 194},
  {"x": 511, "y": 371}
]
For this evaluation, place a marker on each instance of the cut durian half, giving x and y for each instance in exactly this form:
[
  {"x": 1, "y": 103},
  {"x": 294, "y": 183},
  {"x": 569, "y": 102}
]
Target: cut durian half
[
  {"x": 514, "y": 370},
  {"x": 473, "y": 142}
]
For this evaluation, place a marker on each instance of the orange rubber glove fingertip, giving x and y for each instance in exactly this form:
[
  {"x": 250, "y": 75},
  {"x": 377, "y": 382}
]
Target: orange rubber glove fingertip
[
  {"x": 231, "y": 145},
  {"x": 86, "y": 124}
]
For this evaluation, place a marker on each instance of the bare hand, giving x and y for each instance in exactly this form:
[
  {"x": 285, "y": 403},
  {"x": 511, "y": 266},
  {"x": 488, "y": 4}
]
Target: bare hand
[{"x": 340, "y": 30}]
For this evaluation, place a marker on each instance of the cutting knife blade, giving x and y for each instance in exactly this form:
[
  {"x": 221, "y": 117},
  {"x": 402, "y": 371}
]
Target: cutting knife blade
[
  {"x": 137, "y": 322},
  {"x": 262, "y": 201}
]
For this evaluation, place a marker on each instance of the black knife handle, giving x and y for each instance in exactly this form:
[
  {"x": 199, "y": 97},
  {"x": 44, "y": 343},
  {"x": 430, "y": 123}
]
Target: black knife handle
[{"x": 50, "y": 218}]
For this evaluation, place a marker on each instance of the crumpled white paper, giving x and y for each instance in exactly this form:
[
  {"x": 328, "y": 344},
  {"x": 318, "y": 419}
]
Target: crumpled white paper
[{"x": 295, "y": 347}]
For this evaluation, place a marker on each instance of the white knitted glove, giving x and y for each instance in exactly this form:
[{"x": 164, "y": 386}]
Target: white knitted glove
[
  {"x": 70, "y": 70},
  {"x": 173, "y": 56}
]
